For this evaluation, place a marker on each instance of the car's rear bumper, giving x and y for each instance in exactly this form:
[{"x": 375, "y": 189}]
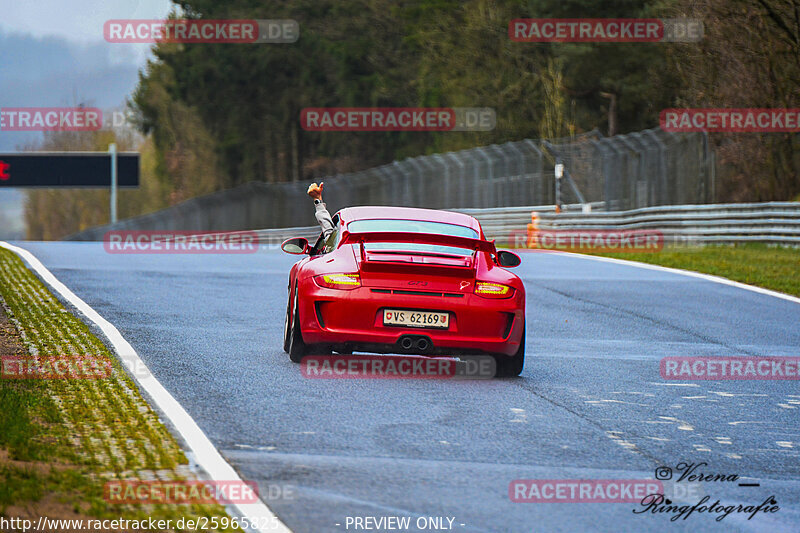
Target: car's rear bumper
[{"x": 354, "y": 320}]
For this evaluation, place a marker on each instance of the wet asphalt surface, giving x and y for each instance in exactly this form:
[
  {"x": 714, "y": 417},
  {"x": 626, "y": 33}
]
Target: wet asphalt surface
[{"x": 590, "y": 403}]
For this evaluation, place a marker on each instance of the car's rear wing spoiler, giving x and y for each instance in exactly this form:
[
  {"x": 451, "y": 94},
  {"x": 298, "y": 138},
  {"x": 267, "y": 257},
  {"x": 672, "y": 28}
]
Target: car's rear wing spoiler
[{"x": 477, "y": 245}]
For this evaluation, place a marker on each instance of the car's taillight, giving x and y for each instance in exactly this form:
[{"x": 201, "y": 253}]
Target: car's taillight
[
  {"x": 493, "y": 290},
  {"x": 338, "y": 281}
]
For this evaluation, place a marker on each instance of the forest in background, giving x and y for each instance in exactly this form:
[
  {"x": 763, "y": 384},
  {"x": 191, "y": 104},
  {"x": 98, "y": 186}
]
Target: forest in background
[{"x": 214, "y": 116}]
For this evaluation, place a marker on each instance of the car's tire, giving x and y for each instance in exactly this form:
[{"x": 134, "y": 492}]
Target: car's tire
[
  {"x": 297, "y": 348},
  {"x": 286, "y": 323},
  {"x": 511, "y": 365}
]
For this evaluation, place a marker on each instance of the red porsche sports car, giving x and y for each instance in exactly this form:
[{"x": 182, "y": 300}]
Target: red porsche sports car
[{"x": 408, "y": 281}]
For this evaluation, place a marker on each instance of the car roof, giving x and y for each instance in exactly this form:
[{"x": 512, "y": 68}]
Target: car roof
[{"x": 349, "y": 214}]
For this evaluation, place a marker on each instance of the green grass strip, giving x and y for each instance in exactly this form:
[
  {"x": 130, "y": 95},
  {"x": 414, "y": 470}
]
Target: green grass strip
[
  {"x": 771, "y": 267},
  {"x": 67, "y": 437}
]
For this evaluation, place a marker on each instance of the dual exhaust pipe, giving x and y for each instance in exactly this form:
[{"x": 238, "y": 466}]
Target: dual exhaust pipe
[{"x": 420, "y": 344}]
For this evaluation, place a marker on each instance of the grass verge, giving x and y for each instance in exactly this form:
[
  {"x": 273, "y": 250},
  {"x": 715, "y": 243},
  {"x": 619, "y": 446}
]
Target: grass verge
[
  {"x": 62, "y": 440},
  {"x": 770, "y": 267}
]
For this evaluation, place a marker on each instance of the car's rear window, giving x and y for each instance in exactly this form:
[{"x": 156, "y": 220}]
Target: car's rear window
[{"x": 414, "y": 226}]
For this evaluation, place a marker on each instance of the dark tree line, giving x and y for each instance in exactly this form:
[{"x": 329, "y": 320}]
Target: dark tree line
[{"x": 219, "y": 115}]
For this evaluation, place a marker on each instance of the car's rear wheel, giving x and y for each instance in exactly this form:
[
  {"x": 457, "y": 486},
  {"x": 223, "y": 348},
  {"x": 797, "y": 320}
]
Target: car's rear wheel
[
  {"x": 511, "y": 365},
  {"x": 286, "y": 325},
  {"x": 297, "y": 348}
]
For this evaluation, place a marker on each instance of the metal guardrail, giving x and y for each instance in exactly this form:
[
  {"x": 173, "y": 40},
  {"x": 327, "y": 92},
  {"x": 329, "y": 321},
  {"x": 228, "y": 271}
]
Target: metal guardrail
[
  {"x": 496, "y": 222},
  {"x": 274, "y": 237},
  {"x": 771, "y": 222}
]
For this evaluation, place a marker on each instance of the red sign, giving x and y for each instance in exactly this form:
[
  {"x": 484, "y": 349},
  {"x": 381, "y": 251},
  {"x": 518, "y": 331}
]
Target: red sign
[{"x": 3, "y": 174}]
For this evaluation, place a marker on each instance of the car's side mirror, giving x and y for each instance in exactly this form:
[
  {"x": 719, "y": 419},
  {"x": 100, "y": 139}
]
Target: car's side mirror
[
  {"x": 295, "y": 245},
  {"x": 508, "y": 259}
]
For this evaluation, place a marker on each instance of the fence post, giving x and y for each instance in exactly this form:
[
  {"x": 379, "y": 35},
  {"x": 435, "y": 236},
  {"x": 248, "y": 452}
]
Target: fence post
[
  {"x": 489, "y": 180},
  {"x": 406, "y": 184},
  {"x": 540, "y": 172},
  {"x": 707, "y": 187},
  {"x": 431, "y": 189},
  {"x": 475, "y": 181},
  {"x": 461, "y": 192},
  {"x": 412, "y": 161},
  {"x": 633, "y": 191},
  {"x": 713, "y": 176},
  {"x": 662, "y": 166},
  {"x": 112, "y": 151},
  {"x": 445, "y": 189},
  {"x": 518, "y": 191},
  {"x": 502, "y": 185},
  {"x": 386, "y": 184},
  {"x": 559, "y": 173}
]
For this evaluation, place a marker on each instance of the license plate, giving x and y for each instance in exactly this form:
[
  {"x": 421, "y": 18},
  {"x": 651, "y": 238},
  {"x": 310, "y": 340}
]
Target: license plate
[{"x": 416, "y": 319}]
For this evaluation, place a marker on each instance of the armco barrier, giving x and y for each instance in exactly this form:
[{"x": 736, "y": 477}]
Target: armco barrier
[{"x": 771, "y": 222}]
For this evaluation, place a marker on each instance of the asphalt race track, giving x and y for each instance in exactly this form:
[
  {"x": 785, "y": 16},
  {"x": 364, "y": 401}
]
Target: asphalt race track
[{"x": 590, "y": 404}]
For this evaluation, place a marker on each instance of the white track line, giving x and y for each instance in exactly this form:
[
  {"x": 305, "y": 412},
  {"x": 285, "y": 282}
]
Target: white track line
[
  {"x": 707, "y": 277},
  {"x": 205, "y": 454}
]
